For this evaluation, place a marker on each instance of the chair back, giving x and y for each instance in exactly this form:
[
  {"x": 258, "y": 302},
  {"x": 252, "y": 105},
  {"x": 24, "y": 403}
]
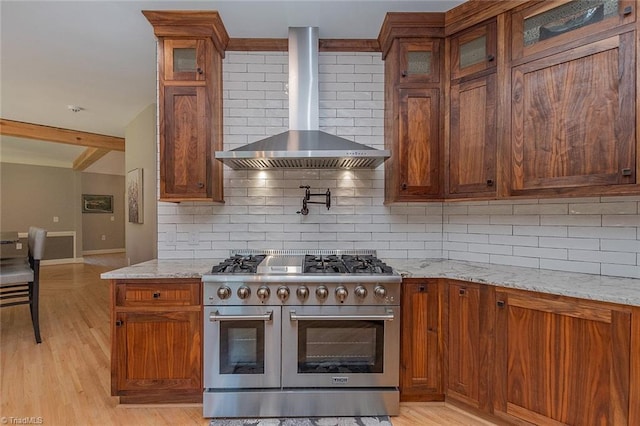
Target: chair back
[{"x": 36, "y": 242}]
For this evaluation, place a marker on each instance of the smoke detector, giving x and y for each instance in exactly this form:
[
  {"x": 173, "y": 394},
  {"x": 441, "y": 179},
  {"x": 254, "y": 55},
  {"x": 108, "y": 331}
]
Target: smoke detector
[{"x": 74, "y": 108}]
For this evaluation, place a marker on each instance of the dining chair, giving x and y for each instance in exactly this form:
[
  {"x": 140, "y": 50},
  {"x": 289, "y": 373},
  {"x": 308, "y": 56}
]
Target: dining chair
[{"x": 20, "y": 280}]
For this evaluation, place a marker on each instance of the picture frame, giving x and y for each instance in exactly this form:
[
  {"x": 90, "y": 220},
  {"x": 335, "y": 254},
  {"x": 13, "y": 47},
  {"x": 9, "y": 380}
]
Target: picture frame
[
  {"x": 92, "y": 203},
  {"x": 135, "y": 200}
]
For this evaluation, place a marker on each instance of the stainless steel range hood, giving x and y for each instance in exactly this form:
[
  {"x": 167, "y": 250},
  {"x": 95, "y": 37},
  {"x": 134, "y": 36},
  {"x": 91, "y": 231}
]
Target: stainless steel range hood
[{"x": 303, "y": 146}]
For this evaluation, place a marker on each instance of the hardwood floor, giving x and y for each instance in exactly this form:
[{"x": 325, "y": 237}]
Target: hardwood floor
[{"x": 66, "y": 379}]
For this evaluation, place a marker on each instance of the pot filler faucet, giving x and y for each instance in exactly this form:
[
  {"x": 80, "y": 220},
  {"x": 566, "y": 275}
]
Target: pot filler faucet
[{"x": 307, "y": 196}]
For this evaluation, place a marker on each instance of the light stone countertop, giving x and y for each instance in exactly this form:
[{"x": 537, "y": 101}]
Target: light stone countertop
[{"x": 625, "y": 291}]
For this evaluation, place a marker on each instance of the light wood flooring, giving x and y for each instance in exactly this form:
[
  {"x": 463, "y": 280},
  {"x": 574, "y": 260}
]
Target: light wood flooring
[{"x": 66, "y": 379}]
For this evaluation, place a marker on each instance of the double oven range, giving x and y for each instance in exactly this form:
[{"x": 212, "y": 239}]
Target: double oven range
[{"x": 297, "y": 334}]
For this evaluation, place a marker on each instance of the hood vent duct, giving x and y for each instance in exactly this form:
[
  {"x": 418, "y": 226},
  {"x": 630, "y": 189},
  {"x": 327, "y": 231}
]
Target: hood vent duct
[{"x": 303, "y": 146}]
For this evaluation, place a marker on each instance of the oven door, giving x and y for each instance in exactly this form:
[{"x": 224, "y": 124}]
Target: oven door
[
  {"x": 341, "y": 346},
  {"x": 241, "y": 347}
]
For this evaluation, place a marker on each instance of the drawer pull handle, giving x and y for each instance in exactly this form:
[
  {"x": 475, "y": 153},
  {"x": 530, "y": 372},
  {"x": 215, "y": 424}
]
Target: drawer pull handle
[
  {"x": 626, "y": 172},
  {"x": 156, "y": 295}
]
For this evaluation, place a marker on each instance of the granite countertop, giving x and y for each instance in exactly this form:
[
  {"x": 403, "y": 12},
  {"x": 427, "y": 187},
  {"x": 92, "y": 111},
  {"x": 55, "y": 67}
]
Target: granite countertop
[{"x": 625, "y": 291}]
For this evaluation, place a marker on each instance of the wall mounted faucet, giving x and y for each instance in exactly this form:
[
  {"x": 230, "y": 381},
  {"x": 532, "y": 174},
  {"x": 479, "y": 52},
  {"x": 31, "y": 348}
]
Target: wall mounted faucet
[{"x": 307, "y": 196}]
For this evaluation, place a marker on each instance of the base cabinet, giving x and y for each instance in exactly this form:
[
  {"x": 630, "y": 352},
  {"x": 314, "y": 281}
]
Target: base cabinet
[
  {"x": 469, "y": 336},
  {"x": 156, "y": 341},
  {"x": 421, "y": 342},
  {"x": 561, "y": 360}
]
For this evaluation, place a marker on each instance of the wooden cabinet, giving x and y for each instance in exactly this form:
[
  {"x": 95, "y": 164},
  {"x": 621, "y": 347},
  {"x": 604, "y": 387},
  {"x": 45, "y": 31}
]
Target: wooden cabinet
[
  {"x": 471, "y": 144},
  {"x": 156, "y": 345},
  {"x": 573, "y": 99},
  {"x": 473, "y": 50},
  {"x": 412, "y": 46},
  {"x": 472, "y": 138},
  {"x": 190, "y": 51},
  {"x": 469, "y": 337},
  {"x": 561, "y": 360},
  {"x": 420, "y": 336}
]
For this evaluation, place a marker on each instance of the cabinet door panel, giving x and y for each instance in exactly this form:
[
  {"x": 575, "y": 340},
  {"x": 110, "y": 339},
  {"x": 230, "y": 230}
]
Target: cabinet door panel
[
  {"x": 420, "y": 366},
  {"x": 563, "y": 361},
  {"x": 419, "y": 142},
  {"x": 573, "y": 116},
  {"x": 472, "y": 146},
  {"x": 473, "y": 50},
  {"x": 158, "y": 350},
  {"x": 419, "y": 61},
  {"x": 185, "y": 146},
  {"x": 184, "y": 59}
]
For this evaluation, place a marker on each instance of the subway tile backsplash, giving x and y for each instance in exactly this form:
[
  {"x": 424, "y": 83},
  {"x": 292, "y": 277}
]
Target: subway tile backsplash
[{"x": 591, "y": 234}]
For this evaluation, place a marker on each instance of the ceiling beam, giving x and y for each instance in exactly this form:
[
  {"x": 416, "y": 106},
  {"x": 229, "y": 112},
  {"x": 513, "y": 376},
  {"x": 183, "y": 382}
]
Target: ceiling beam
[
  {"x": 88, "y": 157},
  {"x": 56, "y": 134}
]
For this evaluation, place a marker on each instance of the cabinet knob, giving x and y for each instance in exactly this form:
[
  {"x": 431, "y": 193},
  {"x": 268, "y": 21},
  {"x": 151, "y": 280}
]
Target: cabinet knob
[
  {"x": 421, "y": 288},
  {"x": 156, "y": 295},
  {"x": 500, "y": 303},
  {"x": 462, "y": 292},
  {"x": 200, "y": 185},
  {"x": 491, "y": 58},
  {"x": 626, "y": 172},
  {"x": 404, "y": 73},
  {"x": 489, "y": 182},
  {"x": 627, "y": 11},
  {"x": 199, "y": 70},
  {"x": 118, "y": 323},
  {"x": 404, "y": 186}
]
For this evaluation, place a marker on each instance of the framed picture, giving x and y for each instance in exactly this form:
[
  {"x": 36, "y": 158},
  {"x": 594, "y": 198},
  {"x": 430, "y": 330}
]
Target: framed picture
[
  {"x": 97, "y": 203},
  {"x": 134, "y": 196}
]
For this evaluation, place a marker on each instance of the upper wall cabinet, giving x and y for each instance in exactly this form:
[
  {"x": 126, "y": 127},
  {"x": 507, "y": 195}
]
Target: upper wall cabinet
[
  {"x": 574, "y": 120},
  {"x": 473, "y": 51},
  {"x": 190, "y": 51},
  {"x": 547, "y": 25},
  {"x": 412, "y": 45}
]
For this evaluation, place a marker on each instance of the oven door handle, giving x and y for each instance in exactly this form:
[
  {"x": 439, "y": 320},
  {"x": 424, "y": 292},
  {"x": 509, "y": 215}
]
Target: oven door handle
[
  {"x": 389, "y": 316},
  {"x": 216, "y": 316}
]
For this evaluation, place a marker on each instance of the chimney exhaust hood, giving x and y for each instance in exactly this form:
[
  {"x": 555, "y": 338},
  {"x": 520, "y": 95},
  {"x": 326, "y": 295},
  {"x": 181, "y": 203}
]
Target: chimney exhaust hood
[{"x": 303, "y": 146}]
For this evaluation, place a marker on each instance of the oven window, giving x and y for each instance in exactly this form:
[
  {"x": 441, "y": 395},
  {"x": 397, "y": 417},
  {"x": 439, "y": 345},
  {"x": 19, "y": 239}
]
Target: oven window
[
  {"x": 340, "y": 346},
  {"x": 242, "y": 347}
]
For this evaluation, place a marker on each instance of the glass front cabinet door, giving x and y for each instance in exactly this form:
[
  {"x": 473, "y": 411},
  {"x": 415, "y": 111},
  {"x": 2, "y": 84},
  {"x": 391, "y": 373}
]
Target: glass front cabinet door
[
  {"x": 419, "y": 61},
  {"x": 473, "y": 50},
  {"x": 184, "y": 59}
]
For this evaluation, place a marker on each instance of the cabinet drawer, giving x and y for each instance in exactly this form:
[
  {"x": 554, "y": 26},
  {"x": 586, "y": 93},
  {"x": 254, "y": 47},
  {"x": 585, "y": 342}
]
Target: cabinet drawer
[{"x": 158, "y": 294}]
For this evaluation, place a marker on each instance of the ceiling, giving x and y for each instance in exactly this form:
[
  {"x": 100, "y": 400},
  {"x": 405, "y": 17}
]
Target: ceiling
[{"x": 100, "y": 56}]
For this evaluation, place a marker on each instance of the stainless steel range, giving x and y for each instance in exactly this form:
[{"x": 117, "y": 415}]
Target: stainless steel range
[{"x": 292, "y": 333}]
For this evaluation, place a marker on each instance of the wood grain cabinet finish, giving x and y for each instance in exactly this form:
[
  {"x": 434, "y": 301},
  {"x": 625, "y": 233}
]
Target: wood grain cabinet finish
[
  {"x": 472, "y": 138},
  {"x": 469, "y": 337},
  {"x": 421, "y": 352},
  {"x": 190, "y": 50},
  {"x": 156, "y": 341},
  {"x": 573, "y": 120},
  {"x": 561, "y": 360}
]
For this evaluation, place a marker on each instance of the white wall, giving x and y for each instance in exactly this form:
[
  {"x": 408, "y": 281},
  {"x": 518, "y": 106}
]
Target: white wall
[
  {"x": 589, "y": 234},
  {"x": 141, "y": 152}
]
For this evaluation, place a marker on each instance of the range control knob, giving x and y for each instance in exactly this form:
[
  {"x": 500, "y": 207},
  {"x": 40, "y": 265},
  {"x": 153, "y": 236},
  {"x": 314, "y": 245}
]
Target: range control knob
[
  {"x": 263, "y": 293},
  {"x": 360, "y": 292},
  {"x": 282, "y": 293},
  {"x": 380, "y": 292},
  {"x": 322, "y": 292},
  {"x": 341, "y": 293},
  {"x": 244, "y": 292},
  {"x": 302, "y": 292},
  {"x": 224, "y": 292}
]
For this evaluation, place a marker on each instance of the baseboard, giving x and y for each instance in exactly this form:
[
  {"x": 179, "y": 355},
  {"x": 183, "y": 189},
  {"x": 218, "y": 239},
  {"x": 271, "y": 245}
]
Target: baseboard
[
  {"x": 103, "y": 251},
  {"x": 61, "y": 261}
]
